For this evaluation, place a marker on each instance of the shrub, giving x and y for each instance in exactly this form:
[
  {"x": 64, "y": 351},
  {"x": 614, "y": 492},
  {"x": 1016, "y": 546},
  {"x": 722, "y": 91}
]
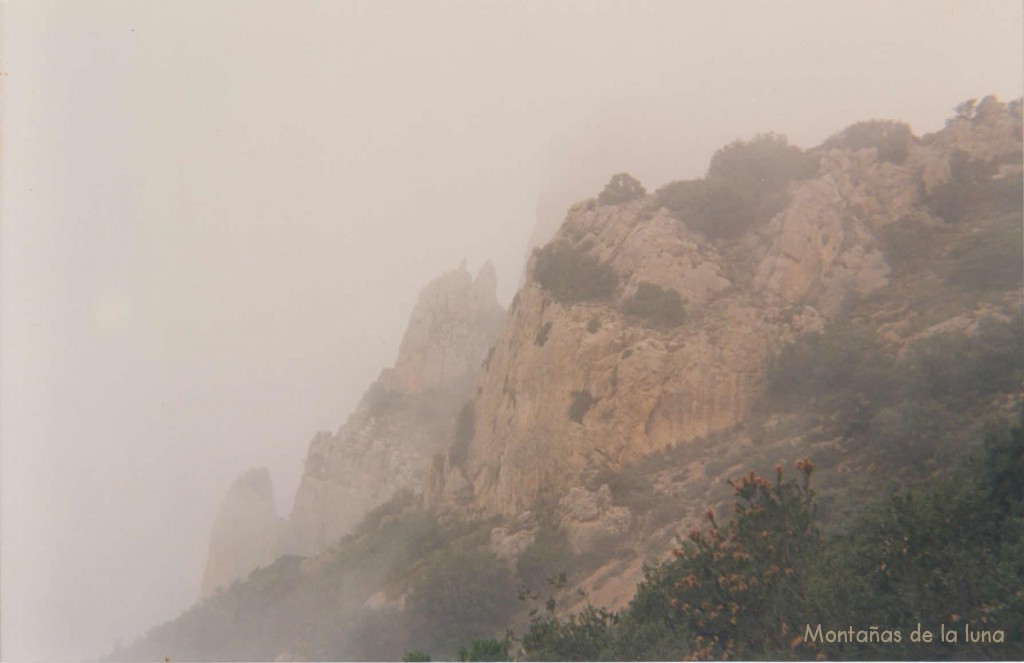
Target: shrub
[
  {"x": 730, "y": 208},
  {"x": 622, "y": 188},
  {"x": 949, "y": 552},
  {"x": 909, "y": 244},
  {"x": 573, "y": 276},
  {"x": 989, "y": 260},
  {"x": 581, "y": 402},
  {"x": 657, "y": 306},
  {"x": 737, "y": 587},
  {"x": 684, "y": 199},
  {"x": 490, "y": 649},
  {"x": 399, "y": 503},
  {"x": 765, "y": 163},
  {"x": 891, "y": 139},
  {"x": 957, "y": 369},
  {"x": 973, "y": 192},
  {"x": 746, "y": 183},
  {"x": 588, "y": 635},
  {"x": 542, "y": 334},
  {"x": 463, "y": 592},
  {"x": 548, "y": 556},
  {"x": 841, "y": 371}
]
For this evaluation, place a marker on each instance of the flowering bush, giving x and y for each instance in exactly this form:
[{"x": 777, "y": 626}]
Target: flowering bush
[{"x": 735, "y": 587}]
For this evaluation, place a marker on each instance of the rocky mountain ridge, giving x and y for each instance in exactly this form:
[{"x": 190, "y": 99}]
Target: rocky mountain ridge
[
  {"x": 650, "y": 388},
  {"x": 246, "y": 534},
  {"x": 649, "y": 357},
  {"x": 385, "y": 446}
]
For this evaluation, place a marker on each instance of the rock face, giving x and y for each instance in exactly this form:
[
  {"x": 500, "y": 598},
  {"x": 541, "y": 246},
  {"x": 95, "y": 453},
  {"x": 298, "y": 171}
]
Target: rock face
[
  {"x": 639, "y": 389},
  {"x": 245, "y": 532},
  {"x": 647, "y": 388},
  {"x": 403, "y": 420},
  {"x": 450, "y": 329},
  {"x": 824, "y": 247},
  {"x": 589, "y": 517}
]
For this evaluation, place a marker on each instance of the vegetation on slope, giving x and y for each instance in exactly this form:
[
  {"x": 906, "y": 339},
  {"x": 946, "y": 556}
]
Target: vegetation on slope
[
  {"x": 946, "y": 555},
  {"x": 745, "y": 185},
  {"x": 572, "y": 275}
]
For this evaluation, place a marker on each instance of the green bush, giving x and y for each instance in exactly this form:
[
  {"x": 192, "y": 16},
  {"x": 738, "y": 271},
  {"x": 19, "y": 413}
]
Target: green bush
[
  {"x": 399, "y": 504},
  {"x": 581, "y": 403},
  {"x": 745, "y": 185},
  {"x": 842, "y": 371},
  {"x": 684, "y": 199},
  {"x": 958, "y": 369},
  {"x": 462, "y": 592},
  {"x": 891, "y": 139},
  {"x": 766, "y": 162},
  {"x": 910, "y": 244},
  {"x": 573, "y": 276},
  {"x": 548, "y": 556},
  {"x": 973, "y": 192},
  {"x": 990, "y": 259},
  {"x": 490, "y": 649},
  {"x": 542, "y": 334},
  {"x": 737, "y": 587},
  {"x": 721, "y": 208},
  {"x": 622, "y": 188},
  {"x": 588, "y": 635},
  {"x": 949, "y": 552},
  {"x": 656, "y": 306}
]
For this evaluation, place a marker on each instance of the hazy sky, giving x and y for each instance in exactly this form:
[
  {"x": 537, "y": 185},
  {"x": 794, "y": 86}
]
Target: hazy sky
[{"x": 216, "y": 217}]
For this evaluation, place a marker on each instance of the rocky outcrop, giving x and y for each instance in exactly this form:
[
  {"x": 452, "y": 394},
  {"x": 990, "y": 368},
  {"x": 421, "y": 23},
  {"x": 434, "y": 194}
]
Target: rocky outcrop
[
  {"x": 589, "y": 518},
  {"x": 985, "y": 132},
  {"x": 245, "y": 533},
  {"x": 450, "y": 329},
  {"x": 637, "y": 389},
  {"x": 403, "y": 420},
  {"x": 823, "y": 248},
  {"x": 646, "y": 388},
  {"x": 508, "y": 546}
]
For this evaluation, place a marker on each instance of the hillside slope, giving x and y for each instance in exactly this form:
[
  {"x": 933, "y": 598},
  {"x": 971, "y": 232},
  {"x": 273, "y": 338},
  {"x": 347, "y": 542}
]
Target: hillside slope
[{"x": 858, "y": 303}]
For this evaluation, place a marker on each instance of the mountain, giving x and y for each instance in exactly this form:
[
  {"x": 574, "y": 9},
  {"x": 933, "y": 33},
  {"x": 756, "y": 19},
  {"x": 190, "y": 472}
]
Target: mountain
[
  {"x": 246, "y": 533},
  {"x": 389, "y": 442},
  {"x": 386, "y": 445},
  {"x": 858, "y": 303}
]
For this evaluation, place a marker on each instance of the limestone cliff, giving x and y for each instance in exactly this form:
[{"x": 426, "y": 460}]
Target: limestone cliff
[
  {"x": 402, "y": 421},
  {"x": 637, "y": 389},
  {"x": 245, "y": 532},
  {"x": 649, "y": 388}
]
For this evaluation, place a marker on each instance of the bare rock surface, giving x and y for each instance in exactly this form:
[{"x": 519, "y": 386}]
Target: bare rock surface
[
  {"x": 403, "y": 420},
  {"x": 245, "y": 532}
]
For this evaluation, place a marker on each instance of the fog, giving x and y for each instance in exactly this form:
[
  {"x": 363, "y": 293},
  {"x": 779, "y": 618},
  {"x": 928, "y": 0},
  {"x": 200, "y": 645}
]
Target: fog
[{"x": 216, "y": 218}]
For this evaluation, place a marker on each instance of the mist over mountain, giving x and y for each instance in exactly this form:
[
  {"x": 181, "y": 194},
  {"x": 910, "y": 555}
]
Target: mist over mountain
[
  {"x": 219, "y": 218},
  {"x": 856, "y": 306}
]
